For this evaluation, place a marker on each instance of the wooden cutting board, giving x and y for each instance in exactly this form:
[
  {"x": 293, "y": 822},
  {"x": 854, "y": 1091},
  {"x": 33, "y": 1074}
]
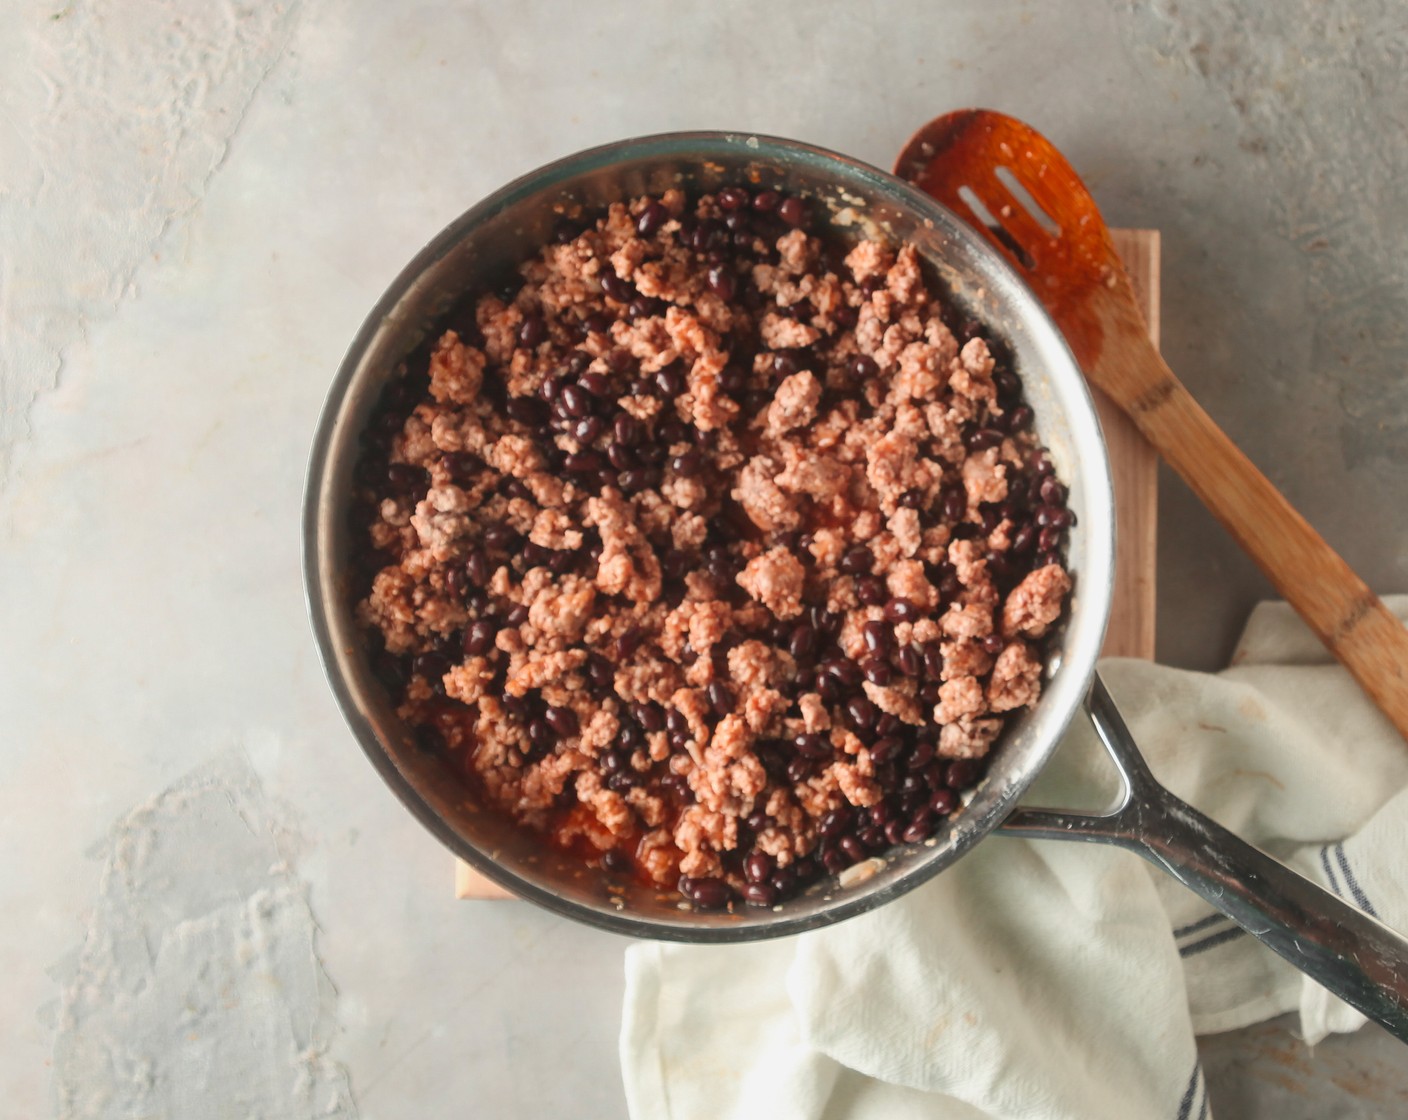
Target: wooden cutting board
[{"x": 1135, "y": 468}]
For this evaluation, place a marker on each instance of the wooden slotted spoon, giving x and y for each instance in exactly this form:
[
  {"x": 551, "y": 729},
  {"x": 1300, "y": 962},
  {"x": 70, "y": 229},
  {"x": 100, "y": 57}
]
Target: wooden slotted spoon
[{"x": 1066, "y": 256}]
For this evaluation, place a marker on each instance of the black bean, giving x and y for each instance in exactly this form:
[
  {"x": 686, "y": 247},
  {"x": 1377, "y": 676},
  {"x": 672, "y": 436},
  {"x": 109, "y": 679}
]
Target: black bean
[
  {"x": 802, "y": 642},
  {"x": 600, "y": 672},
  {"x": 961, "y": 773},
  {"x": 834, "y": 860},
  {"x": 732, "y": 198},
  {"x": 722, "y": 281},
  {"x": 574, "y": 401},
  {"x": 920, "y": 755},
  {"x": 863, "y": 368},
  {"x": 852, "y": 849},
  {"x": 929, "y": 692},
  {"x": 760, "y": 894},
  {"x": 943, "y": 802},
  {"x": 642, "y": 307},
  {"x": 706, "y": 893},
  {"x": 833, "y": 823},
  {"x": 812, "y": 744},
  {"x": 721, "y": 698},
  {"x": 406, "y": 479},
  {"x": 617, "y": 862},
  {"x": 432, "y": 666},
  {"x": 799, "y": 769},
  {"x": 784, "y": 881},
  {"x": 1049, "y": 540},
  {"x": 597, "y": 384},
  {"x": 876, "y": 671},
  {"x": 1024, "y": 539},
  {"x": 499, "y": 537},
  {"x": 562, "y": 720},
  {"x": 1008, "y": 384},
  {"x": 846, "y": 672},
  {"x": 870, "y": 590},
  {"x": 628, "y": 643},
  {"x": 628, "y": 430},
  {"x": 622, "y": 291},
  {"x": 1052, "y": 492},
  {"x": 464, "y": 466},
  {"x": 532, "y": 331},
  {"x": 651, "y": 219},
  {"x": 621, "y": 457},
  {"x": 920, "y": 827},
  {"x": 712, "y": 235},
  {"x": 875, "y": 839},
  {"x": 886, "y": 750},
  {"x": 828, "y": 688},
  {"x": 862, "y": 712},
  {"x": 670, "y": 381},
  {"x": 540, "y": 734},
  {"x": 528, "y": 411},
  {"x": 479, "y": 638},
  {"x": 690, "y": 464},
  {"x": 586, "y": 430},
  {"x": 877, "y": 635},
  {"x": 516, "y": 616},
  {"x": 1020, "y": 418},
  {"x": 901, "y": 610},
  {"x": 909, "y": 661},
  {"x": 757, "y": 867},
  {"x": 478, "y": 568},
  {"x": 784, "y": 363},
  {"x": 793, "y": 211},
  {"x": 764, "y": 202},
  {"x": 857, "y": 560},
  {"x": 954, "y": 501}
]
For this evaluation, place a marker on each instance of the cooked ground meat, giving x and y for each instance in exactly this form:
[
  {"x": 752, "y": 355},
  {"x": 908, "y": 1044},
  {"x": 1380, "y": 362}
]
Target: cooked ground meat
[{"x": 717, "y": 552}]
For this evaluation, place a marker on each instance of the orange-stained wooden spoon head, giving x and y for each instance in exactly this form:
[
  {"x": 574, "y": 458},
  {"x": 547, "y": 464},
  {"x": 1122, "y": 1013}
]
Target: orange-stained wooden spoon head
[{"x": 959, "y": 159}]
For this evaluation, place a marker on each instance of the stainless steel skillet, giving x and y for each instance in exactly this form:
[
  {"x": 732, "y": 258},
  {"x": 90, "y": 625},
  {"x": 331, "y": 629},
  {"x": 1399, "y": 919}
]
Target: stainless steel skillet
[{"x": 1344, "y": 949}]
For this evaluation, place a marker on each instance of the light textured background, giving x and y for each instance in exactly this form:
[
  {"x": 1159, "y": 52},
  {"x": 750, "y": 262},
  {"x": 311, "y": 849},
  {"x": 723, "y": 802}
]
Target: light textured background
[{"x": 198, "y": 204}]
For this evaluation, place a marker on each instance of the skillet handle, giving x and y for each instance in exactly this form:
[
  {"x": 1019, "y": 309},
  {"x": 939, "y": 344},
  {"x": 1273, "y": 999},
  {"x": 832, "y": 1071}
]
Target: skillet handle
[{"x": 1340, "y": 947}]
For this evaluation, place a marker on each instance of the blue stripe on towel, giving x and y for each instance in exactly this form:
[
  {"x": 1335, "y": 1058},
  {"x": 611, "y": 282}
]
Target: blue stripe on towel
[
  {"x": 1185, "y": 1106},
  {"x": 1354, "y": 889},
  {"x": 1211, "y": 942},
  {"x": 1211, "y": 919},
  {"x": 1330, "y": 871}
]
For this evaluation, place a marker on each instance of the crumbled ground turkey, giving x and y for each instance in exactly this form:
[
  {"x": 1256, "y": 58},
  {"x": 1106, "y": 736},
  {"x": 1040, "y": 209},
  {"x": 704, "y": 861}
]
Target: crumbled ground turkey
[{"x": 718, "y": 551}]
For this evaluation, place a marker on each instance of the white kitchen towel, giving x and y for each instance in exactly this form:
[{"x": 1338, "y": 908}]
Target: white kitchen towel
[{"x": 1049, "y": 980}]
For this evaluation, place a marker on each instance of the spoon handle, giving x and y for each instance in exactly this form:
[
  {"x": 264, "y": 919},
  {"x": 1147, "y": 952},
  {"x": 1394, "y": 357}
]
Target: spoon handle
[{"x": 1349, "y": 618}]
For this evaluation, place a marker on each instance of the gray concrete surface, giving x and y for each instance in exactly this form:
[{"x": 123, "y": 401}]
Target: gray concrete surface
[{"x": 198, "y": 204}]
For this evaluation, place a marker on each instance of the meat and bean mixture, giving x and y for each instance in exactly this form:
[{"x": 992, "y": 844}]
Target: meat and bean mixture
[{"x": 718, "y": 550}]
